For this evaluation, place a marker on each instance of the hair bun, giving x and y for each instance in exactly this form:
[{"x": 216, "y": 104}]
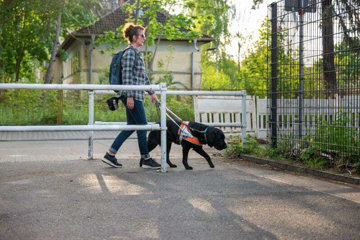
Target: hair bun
[{"x": 130, "y": 30}]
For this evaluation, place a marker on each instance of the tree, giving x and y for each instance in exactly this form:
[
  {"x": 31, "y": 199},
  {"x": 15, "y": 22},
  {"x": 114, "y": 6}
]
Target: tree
[
  {"x": 255, "y": 68},
  {"x": 28, "y": 32},
  {"x": 346, "y": 12},
  {"x": 24, "y": 33},
  {"x": 54, "y": 50},
  {"x": 77, "y": 14},
  {"x": 175, "y": 26},
  {"x": 213, "y": 19},
  {"x": 240, "y": 39},
  {"x": 328, "y": 47}
]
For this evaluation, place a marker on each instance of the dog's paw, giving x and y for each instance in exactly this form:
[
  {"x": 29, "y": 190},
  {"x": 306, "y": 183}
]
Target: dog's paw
[
  {"x": 189, "y": 168},
  {"x": 212, "y": 166},
  {"x": 173, "y": 166}
]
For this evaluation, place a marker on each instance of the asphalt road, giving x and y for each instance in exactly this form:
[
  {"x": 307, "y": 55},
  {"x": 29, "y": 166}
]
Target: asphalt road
[{"x": 49, "y": 190}]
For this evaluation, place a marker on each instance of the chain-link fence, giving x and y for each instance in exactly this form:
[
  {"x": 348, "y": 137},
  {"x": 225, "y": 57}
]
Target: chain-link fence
[{"x": 314, "y": 79}]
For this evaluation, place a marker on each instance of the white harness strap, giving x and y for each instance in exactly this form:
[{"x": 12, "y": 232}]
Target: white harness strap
[{"x": 185, "y": 134}]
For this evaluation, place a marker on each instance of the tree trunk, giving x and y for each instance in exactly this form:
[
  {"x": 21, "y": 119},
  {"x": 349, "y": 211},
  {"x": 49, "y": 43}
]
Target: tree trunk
[
  {"x": 54, "y": 51},
  {"x": 328, "y": 48},
  {"x": 17, "y": 68}
]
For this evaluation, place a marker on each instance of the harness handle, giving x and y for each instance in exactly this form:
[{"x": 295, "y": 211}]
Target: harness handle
[{"x": 171, "y": 115}]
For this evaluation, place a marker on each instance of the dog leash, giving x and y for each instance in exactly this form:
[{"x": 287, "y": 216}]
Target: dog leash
[{"x": 171, "y": 115}]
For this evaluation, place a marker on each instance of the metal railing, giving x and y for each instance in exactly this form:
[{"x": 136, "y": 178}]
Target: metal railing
[
  {"x": 187, "y": 93},
  {"x": 106, "y": 89}
]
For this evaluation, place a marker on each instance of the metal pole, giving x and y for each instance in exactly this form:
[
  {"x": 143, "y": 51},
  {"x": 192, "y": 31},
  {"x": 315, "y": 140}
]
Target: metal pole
[
  {"x": 91, "y": 122},
  {"x": 243, "y": 128},
  {"x": 273, "y": 74},
  {"x": 301, "y": 67},
  {"x": 207, "y": 93},
  {"x": 192, "y": 80},
  {"x": 187, "y": 93},
  {"x": 79, "y": 87},
  {"x": 163, "y": 127},
  {"x": 91, "y": 47},
  {"x": 94, "y": 127}
]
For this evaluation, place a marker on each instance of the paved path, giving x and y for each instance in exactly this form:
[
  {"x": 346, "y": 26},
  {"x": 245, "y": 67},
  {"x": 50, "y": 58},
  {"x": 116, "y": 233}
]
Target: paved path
[{"x": 50, "y": 191}]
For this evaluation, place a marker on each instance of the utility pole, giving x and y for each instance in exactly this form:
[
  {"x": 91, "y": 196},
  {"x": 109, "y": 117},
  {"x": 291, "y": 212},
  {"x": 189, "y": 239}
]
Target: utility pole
[{"x": 137, "y": 11}]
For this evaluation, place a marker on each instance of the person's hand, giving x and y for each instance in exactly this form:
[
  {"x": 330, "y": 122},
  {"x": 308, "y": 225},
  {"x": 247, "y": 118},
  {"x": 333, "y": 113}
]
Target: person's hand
[
  {"x": 130, "y": 103},
  {"x": 154, "y": 99}
]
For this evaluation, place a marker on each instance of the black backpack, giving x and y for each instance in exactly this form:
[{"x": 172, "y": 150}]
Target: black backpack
[{"x": 115, "y": 75}]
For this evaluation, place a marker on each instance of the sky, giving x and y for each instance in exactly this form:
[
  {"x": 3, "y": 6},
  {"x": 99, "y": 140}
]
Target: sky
[{"x": 247, "y": 22}]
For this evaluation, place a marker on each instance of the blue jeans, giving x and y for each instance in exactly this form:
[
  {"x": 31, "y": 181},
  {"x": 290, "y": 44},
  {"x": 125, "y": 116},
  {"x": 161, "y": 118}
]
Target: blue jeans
[{"x": 135, "y": 116}]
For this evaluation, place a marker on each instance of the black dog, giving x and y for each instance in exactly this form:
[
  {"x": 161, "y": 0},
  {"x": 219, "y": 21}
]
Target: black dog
[{"x": 206, "y": 135}]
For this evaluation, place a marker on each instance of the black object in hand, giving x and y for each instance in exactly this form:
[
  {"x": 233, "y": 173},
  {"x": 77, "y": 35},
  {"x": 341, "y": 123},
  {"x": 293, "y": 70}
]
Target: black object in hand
[{"x": 113, "y": 103}]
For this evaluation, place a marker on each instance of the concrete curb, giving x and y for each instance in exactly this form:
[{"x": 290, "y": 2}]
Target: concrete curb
[{"x": 293, "y": 168}]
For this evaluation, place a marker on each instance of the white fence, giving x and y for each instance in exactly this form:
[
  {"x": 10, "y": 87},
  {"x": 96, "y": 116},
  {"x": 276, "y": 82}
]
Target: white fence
[{"x": 227, "y": 109}]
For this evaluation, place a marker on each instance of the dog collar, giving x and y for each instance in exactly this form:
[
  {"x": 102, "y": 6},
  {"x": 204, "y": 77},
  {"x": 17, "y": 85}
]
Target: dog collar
[{"x": 205, "y": 135}]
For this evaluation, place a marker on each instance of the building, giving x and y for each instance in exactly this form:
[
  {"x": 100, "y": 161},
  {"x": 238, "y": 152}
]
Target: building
[{"x": 89, "y": 64}]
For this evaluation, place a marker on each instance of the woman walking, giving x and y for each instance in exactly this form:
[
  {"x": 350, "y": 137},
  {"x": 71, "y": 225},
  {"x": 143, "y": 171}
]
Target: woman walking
[{"x": 133, "y": 73}]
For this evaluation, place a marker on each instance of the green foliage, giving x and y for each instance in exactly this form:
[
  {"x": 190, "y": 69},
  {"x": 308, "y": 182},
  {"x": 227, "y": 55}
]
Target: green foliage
[
  {"x": 27, "y": 33},
  {"x": 347, "y": 63},
  {"x": 40, "y": 107},
  {"x": 23, "y": 107},
  {"x": 229, "y": 67},
  {"x": 173, "y": 29},
  {"x": 312, "y": 158},
  {"x": 212, "y": 18},
  {"x": 285, "y": 144},
  {"x": 337, "y": 135},
  {"x": 24, "y": 33},
  {"x": 250, "y": 146},
  {"x": 214, "y": 80},
  {"x": 181, "y": 106},
  {"x": 235, "y": 147}
]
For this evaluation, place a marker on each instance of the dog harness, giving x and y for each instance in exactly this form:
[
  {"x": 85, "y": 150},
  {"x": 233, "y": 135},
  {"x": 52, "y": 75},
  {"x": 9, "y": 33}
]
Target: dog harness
[{"x": 185, "y": 134}]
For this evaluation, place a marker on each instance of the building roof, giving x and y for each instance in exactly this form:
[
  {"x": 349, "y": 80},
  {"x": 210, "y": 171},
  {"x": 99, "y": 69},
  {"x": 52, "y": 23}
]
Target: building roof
[{"x": 111, "y": 22}]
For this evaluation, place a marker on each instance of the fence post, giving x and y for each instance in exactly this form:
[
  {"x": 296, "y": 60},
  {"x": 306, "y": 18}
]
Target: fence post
[
  {"x": 163, "y": 127},
  {"x": 244, "y": 125},
  {"x": 91, "y": 122},
  {"x": 301, "y": 68},
  {"x": 273, "y": 74}
]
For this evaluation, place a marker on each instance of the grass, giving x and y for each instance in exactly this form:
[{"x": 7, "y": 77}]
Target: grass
[{"x": 22, "y": 108}]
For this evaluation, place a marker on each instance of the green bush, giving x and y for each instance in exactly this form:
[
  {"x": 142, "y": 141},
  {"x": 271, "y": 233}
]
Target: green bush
[
  {"x": 24, "y": 107},
  {"x": 40, "y": 107},
  {"x": 339, "y": 139},
  {"x": 235, "y": 148},
  {"x": 312, "y": 158},
  {"x": 337, "y": 135}
]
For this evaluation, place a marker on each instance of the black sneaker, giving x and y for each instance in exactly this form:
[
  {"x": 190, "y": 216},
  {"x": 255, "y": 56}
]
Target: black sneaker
[
  {"x": 149, "y": 163},
  {"x": 111, "y": 160}
]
